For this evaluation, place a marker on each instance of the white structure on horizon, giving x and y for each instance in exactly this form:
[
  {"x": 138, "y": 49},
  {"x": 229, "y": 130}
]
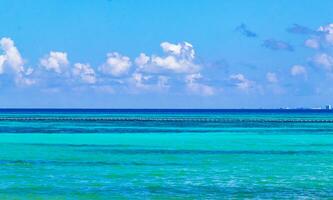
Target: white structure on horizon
[{"x": 328, "y": 107}]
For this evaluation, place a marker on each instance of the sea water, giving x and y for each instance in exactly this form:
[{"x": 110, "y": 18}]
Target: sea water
[{"x": 166, "y": 154}]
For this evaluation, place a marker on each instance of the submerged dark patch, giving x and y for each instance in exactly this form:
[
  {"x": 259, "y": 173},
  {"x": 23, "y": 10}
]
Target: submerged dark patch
[{"x": 204, "y": 152}]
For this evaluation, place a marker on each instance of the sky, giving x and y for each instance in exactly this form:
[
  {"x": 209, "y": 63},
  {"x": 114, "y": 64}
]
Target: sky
[{"x": 166, "y": 54}]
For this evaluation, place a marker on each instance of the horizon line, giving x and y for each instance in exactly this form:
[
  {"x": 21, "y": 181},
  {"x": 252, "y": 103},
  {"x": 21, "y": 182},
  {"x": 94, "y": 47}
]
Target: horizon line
[{"x": 67, "y": 108}]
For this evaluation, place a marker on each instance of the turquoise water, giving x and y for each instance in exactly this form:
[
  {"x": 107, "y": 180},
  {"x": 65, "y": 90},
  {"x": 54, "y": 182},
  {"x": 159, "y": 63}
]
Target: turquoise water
[{"x": 166, "y": 154}]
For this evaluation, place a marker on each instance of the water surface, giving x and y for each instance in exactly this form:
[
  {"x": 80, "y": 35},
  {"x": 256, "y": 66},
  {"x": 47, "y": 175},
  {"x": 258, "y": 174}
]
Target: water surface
[{"x": 166, "y": 154}]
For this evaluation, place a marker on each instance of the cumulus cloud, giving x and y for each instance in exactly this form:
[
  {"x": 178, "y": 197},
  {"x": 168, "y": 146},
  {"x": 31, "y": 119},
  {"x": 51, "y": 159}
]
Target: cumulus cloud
[
  {"x": 142, "y": 60},
  {"x": 139, "y": 80},
  {"x": 327, "y": 31},
  {"x": 22, "y": 80},
  {"x": 324, "y": 60},
  {"x": 277, "y": 45},
  {"x": 152, "y": 73},
  {"x": 179, "y": 58},
  {"x": 12, "y": 57},
  {"x": 171, "y": 48},
  {"x": 58, "y": 62},
  {"x": 194, "y": 86},
  {"x": 322, "y": 38},
  {"x": 84, "y": 72},
  {"x": 244, "y": 30},
  {"x": 241, "y": 82},
  {"x": 312, "y": 43},
  {"x": 149, "y": 82},
  {"x": 272, "y": 77},
  {"x": 322, "y": 42},
  {"x": 173, "y": 64},
  {"x": 2, "y": 63},
  {"x": 12, "y": 62},
  {"x": 298, "y": 70},
  {"x": 55, "y": 61},
  {"x": 184, "y": 49},
  {"x": 116, "y": 64}
]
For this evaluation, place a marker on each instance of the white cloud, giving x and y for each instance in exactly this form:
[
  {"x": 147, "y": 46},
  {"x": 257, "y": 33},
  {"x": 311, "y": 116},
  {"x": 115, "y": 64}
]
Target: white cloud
[
  {"x": 142, "y": 60},
  {"x": 11, "y": 57},
  {"x": 149, "y": 82},
  {"x": 2, "y": 63},
  {"x": 322, "y": 41},
  {"x": 183, "y": 49},
  {"x": 29, "y": 71},
  {"x": 84, "y": 72},
  {"x": 198, "y": 88},
  {"x": 171, "y": 48},
  {"x": 174, "y": 64},
  {"x": 55, "y": 61},
  {"x": 116, "y": 64},
  {"x": 179, "y": 58},
  {"x": 12, "y": 62},
  {"x": 324, "y": 60},
  {"x": 139, "y": 80},
  {"x": 328, "y": 33},
  {"x": 298, "y": 70},
  {"x": 241, "y": 81},
  {"x": 272, "y": 77},
  {"x": 21, "y": 80},
  {"x": 322, "y": 38},
  {"x": 312, "y": 43}
]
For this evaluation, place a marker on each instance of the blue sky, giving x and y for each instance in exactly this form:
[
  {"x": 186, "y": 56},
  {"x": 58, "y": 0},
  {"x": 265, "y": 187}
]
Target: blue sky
[{"x": 166, "y": 54}]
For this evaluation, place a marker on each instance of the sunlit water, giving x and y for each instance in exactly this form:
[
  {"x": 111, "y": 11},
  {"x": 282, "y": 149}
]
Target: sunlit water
[{"x": 113, "y": 154}]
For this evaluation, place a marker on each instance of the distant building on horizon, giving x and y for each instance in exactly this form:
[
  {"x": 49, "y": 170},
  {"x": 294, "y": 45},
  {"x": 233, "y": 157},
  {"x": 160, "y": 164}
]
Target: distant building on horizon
[{"x": 328, "y": 107}]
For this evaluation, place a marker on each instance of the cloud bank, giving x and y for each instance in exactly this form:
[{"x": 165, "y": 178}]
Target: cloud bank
[{"x": 148, "y": 73}]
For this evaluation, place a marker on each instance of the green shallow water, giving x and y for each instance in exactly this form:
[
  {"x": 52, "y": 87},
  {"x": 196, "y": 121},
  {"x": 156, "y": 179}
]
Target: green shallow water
[{"x": 266, "y": 158}]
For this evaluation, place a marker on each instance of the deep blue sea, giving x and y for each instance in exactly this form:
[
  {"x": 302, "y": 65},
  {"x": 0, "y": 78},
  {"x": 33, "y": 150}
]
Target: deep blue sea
[{"x": 166, "y": 154}]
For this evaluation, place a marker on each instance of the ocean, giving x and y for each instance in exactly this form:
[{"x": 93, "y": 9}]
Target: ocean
[{"x": 166, "y": 154}]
